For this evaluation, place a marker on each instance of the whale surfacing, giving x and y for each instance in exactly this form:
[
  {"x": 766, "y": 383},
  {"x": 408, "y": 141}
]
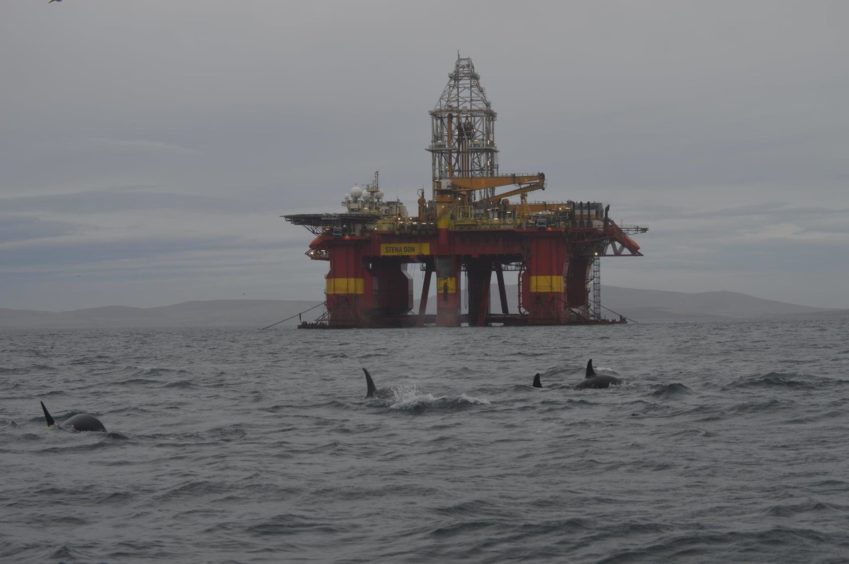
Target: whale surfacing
[
  {"x": 537, "y": 383},
  {"x": 373, "y": 392},
  {"x": 596, "y": 381},
  {"x": 80, "y": 422},
  {"x": 370, "y": 387}
]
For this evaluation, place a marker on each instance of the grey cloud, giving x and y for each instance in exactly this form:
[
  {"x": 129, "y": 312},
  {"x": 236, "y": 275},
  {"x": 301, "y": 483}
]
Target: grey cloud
[
  {"x": 14, "y": 228},
  {"x": 129, "y": 146},
  {"x": 708, "y": 122},
  {"x": 103, "y": 201},
  {"x": 57, "y": 254}
]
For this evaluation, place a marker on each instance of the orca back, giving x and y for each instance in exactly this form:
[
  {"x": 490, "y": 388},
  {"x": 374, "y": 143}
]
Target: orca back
[
  {"x": 85, "y": 422},
  {"x": 598, "y": 382},
  {"x": 537, "y": 383}
]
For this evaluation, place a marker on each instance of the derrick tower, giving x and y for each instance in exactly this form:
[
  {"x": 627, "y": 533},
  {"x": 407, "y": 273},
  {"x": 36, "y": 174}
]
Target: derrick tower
[{"x": 463, "y": 128}]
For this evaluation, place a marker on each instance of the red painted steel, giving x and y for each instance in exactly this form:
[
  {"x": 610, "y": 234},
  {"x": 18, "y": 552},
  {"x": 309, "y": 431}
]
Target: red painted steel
[
  {"x": 543, "y": 288},
  {"x": 479, "y": 273},
  {"x": 349, "y": 288},
  {"x": 577, "y": 275},
  {"x": 366, "y": 289}
]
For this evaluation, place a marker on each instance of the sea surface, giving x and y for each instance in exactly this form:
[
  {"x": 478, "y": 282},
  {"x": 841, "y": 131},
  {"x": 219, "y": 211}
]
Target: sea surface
[{"x": 726, "y": 442}]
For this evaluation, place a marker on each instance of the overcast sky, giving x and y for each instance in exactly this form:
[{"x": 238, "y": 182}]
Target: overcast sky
[{"x": 149, "y": 148}]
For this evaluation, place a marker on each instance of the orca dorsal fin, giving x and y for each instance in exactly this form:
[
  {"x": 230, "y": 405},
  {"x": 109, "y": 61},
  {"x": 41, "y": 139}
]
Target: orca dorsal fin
[
  {"x": 537, "y": 383},
  {"x": 370, "y": 387},
  {"x": 47, "y": 416},
  {"x": 590, "y": 371}
]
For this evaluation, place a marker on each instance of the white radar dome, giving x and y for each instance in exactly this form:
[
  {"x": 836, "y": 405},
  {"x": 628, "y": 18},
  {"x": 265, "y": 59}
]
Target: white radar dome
[{"x": 356, "y": 192}]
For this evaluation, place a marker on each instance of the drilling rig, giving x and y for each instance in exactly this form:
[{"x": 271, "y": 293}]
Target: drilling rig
[{"x": 477, "y": 221}]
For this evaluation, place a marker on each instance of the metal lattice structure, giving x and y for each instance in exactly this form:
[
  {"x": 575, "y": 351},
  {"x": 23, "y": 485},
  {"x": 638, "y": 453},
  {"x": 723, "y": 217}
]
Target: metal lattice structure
[
  {"x": 463, "y": 127},
  {"x": 596, "y": 281}
]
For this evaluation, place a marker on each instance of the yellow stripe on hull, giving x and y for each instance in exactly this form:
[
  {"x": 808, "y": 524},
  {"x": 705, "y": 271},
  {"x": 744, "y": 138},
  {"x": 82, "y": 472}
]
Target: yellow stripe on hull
[
  {"x": 547, "y": 284},
  {"x": 345, "y": 286},
  {"x": 441, "y": 284}
]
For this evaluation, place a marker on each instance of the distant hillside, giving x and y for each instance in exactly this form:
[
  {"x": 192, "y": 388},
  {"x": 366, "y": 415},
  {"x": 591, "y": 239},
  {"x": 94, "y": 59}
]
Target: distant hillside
[
  {"x": 658, "y": 306},
  {"x": 661, "y": 306},
  {"x": 647, "y": 306}
]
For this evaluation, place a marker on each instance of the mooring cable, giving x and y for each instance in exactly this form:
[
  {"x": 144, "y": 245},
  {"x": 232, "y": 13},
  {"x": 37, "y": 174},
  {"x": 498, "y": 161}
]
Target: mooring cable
[{"x": 293, "y": 316}]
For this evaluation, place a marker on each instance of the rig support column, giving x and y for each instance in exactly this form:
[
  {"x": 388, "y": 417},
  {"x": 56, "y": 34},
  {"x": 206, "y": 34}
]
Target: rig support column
[
  {"x": 425, "y": 292},
  {"x": 393, "y": 292},
  {"x": 348, "y": 287},
  {"x": 502, "y": 289},
  {"x": 577, "y": 275},
  {"x": 479, "y": 272},
  {"x": 447, "y": 291},
  {"x": 543, "y": 288}
]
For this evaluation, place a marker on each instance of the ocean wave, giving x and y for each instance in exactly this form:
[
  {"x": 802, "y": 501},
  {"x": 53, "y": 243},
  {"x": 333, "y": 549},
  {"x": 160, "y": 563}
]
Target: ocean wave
[
  {"x": 76, "y": 446},
  {"x": 768, "y": 545},
  {"x": 379, "y": 354},
  {"x": 674, "y": 389},
  {"x": 141, "y": 371},
  {"x": 411, "y": 400},
  {"x": 808, "y": 506},
  {"x": 193, "y": 490},
  {"x": 129, "y": 551},
  {"x": 88, "y": 360},
  {"x": 530, "y": 352},
  {"x": 180, "y": 384},
  {"x": 471, "y": 507},
  {"x": 59, "y": 496},
  {"x": 136, "y": 382},
  {"x": 290, "y": 524},
  {"x": 330, "y": 403},
  {"x": 778, "y": 380},
  {"x": 227, "y": 433},
  {"x": 116, "y": 498},
  {"x": 21, "y": 370},
  {"x": 8, "y": 423},
  {"x": 454, "y": 529},
  {"x": 63, "y": 553},
  {"x": 758, "y": 406}
]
